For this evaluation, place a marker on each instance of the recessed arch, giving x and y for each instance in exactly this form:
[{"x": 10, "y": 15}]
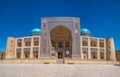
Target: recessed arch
[{"x": 61, "y": 40}]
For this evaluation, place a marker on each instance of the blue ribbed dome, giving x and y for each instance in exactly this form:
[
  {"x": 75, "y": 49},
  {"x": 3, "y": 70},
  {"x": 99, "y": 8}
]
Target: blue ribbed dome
[
  {"x": 36, "y": 31},
  {"x": 85, "y": 32}
]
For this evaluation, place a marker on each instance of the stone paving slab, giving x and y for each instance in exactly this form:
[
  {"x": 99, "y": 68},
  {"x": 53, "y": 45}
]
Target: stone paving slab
[{"x": 58, "y": 70}]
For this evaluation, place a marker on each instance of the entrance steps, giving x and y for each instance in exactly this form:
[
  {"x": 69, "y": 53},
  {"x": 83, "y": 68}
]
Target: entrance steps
[
  {"x": 60, "y": 61},
  {"x": 56, "y": 61}
]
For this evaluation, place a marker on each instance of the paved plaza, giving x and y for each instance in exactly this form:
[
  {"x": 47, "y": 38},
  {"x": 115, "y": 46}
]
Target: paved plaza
[{"x": 59, "y": 70}]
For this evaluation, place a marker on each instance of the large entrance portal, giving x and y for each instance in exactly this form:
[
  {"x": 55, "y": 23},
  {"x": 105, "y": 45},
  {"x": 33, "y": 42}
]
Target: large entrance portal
[
  {"x": 60, "y": 34},
  {"x": 61, "y": 41}
]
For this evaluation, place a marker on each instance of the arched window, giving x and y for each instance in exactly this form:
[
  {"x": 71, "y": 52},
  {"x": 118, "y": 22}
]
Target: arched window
[
  {"x": 84, "y": 43},
  {"x": 93, "y": 43},
  {"x": 36, "y": 41},
  {"x": 101, "y": 44},
  {"x": 19, "y": 42},
  {"x": 27, "y": 41},
  {"x": 35, "y": 52},
  {"x": 27, "y": 53}
]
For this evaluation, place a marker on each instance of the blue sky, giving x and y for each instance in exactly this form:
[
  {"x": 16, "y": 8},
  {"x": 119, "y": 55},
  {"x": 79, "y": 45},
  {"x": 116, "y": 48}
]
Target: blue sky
[{"x": 19, "y": 17}]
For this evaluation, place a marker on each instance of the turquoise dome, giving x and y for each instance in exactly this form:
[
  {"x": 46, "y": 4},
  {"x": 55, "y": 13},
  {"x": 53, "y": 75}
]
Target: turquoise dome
[
  {"x": 36, "y": 31},
  {"x": 85, "y": 32}
]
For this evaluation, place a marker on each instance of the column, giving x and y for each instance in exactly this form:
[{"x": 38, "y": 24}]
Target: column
[
  {"x": 70, "y": 49},
  {"x": 22, "y": 50},
  {"x": 98, "y": 50},
  {"x": 15, "y": 44},
  {"x": 50, "y": 46},
  {"x": 64, "y": 49},
  {"x": 39, "y": 47},
  {"x": 31, "y": 48},
  {"x": 81, "y": 53},
  {"x": 56, "y": 52},
  {"x": 39, "y": 52},
  {"x": 105, "y": 49},
  {"x": 31, "y": 53},
  {"x": 89, "y": 46}
]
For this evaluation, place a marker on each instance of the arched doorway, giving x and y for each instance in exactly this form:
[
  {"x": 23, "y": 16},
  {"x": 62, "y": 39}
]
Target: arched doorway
[{"x": 61, "y": 41}]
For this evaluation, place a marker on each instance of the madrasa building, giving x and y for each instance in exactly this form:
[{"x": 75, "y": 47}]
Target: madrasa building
[{"x": 60, "y": 39}]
